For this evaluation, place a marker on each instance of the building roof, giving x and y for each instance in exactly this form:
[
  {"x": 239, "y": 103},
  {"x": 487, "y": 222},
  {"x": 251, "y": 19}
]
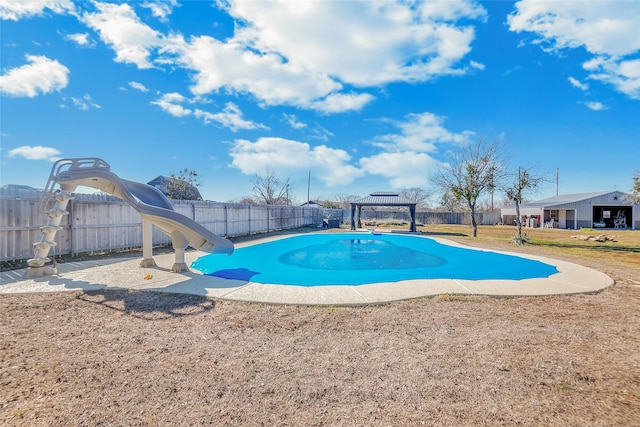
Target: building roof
[
  {"x": 17, "y": 187},
  {"x": 566, "y": 198},
  {"x": 383, "y": 198}
]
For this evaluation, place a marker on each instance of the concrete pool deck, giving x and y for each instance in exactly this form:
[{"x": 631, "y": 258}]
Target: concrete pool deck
[{"x": 126, "y": 273}]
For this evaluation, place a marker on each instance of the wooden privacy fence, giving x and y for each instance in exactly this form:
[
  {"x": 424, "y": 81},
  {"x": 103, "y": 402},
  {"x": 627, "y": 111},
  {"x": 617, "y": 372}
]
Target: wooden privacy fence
[
  {"x": 430, "y": 218},
  {"x": 99, "y": 222}
]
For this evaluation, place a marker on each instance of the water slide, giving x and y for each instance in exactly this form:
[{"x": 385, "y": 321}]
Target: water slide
[{"x": 148, "y": 201}]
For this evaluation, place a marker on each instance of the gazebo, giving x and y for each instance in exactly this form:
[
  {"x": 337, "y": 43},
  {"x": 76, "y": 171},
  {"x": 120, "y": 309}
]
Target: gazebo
[{"x": 382, "y": 198}]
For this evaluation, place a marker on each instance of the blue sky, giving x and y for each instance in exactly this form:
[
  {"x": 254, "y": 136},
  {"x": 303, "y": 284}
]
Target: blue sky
[{"x": 366, "y": 95}]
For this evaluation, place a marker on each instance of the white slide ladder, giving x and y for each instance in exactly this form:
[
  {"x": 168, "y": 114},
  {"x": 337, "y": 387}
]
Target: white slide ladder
[{"x": 37, "y": 265}]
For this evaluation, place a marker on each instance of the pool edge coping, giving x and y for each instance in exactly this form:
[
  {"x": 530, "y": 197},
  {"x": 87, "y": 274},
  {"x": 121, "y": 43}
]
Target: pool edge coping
[{"x": 570, "y": 279}]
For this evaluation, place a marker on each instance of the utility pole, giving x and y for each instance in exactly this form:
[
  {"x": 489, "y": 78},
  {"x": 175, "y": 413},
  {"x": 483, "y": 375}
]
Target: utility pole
[{"x": 308, "y": 188}]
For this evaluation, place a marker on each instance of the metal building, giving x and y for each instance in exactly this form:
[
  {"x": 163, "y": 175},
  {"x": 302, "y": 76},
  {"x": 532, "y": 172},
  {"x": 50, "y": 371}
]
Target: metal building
[{"x": 609, "y": 209}]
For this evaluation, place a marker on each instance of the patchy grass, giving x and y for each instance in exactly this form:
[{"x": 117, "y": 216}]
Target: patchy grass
[
  {"x": 457, "y": 297},
  {"x": 624, "y": 251}
]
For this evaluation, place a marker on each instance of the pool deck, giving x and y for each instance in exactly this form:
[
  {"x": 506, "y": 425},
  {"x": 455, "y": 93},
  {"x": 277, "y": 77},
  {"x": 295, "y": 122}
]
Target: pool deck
[{"x": 126, "y": 273}]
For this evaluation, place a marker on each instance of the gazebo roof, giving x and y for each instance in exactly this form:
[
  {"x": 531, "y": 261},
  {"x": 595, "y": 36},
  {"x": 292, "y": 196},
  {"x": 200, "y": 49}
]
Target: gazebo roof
[{"x": 383, "y": 198}]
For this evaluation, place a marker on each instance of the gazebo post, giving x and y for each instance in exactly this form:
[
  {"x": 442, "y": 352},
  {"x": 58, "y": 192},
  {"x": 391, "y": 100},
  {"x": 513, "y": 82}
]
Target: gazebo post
[
  {"x": 353, "y": 216},
  {"x": 412, "y": 214}
]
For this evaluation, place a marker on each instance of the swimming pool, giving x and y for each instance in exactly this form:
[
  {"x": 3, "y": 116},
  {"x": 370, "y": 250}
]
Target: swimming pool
[{"x": 357, "y": 259}]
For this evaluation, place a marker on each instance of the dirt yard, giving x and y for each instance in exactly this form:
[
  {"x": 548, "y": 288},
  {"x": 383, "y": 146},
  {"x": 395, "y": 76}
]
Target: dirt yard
[{"x": 134, "y": 358}]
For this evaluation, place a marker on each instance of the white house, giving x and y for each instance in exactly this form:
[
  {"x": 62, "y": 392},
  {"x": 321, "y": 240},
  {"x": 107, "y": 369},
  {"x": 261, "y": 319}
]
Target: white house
[{"x": 608, "y": 209}]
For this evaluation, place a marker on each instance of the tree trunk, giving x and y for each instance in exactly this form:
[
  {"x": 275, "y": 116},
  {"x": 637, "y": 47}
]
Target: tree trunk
[
  {"x": 518, "y": 221},
  {"x": 474, "y": 224}
]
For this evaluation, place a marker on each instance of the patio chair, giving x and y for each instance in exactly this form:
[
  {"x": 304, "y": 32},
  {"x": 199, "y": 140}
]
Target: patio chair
[{"x": 620, "y": 221}]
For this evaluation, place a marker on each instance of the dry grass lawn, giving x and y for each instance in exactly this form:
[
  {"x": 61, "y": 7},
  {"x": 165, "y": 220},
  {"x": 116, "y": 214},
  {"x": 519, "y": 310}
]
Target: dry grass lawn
[{"x": 135, "y": 358}]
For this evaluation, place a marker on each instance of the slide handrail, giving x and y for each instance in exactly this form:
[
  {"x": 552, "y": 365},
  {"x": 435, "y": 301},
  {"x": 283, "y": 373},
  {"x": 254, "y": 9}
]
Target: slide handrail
[{"x": 62, "y": 165}]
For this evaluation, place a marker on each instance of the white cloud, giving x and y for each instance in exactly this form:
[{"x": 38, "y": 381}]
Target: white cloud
[
  {"x": 452, "y": 10},
  {"x": 15, "y": 10},
  {"x": 624, "y": 75},
  {"x": 229, "y": 65},
  {"x": 601, "y": 27},
  {"x": 364, "y": 43},
  {"x": 170, "y": 102},
  {"x": 407, "y": 158},
  {"x": 606, "y": 29},
  {"x": 230, "y": 117},
  {"x": 303, "y": 53},
  {"x": 340, "y": 102},
  {"x": 161, "y": 9},
  {"x": 328, "y": 164},
  {"x": 82, "y": 39},
  {"x": 293, "y": 121},
  {"x": 120, "y": 28},
  {"x": 85, "y": 103},
  {"x": 577, "y": 83},
  {"x": 477, "y": 65},
  {"x": 420, "y": 133},
  {"x": 37, "y": 152},
  {"x": 173, "y": 97},
  {"x": 138, "y": 86},
  {"x": 320, "y": 133},
  {"x": 595, "y": 106},
  {"x": 404, "y": 170},
  {"x": 41, "y": 76}
]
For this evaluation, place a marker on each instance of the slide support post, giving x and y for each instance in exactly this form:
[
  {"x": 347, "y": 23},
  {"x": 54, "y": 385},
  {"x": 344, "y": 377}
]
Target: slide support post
[
  {"x": 147, "y": 244},
  {"x": 179, "y": 244}
]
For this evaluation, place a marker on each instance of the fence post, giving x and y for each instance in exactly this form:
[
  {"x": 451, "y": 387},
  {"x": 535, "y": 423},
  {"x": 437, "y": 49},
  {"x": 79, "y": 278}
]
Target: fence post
[
  {"x": 72, "y": 251},
  {"x": 226, "y": 222}
]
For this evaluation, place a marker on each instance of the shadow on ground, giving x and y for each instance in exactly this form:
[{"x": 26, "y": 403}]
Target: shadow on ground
[{"x": 148, "y": 305}]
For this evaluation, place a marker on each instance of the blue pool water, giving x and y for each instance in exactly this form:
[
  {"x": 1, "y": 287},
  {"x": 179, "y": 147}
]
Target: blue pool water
[{"x": 357, "y": 259}]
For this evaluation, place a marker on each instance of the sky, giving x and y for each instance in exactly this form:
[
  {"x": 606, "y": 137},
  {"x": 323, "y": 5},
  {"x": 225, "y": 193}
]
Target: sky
[{"x": 360, "y": 96}]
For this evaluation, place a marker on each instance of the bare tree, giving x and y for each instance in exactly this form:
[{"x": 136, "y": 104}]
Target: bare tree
[
  {"x": 330, "y": 204},
  {"x": 636, "y": 187},
  {"x": 525, "y": 181},
  {"x": 344, "y": 200},
  {"x": 269, "y": 189},
  {"x": 417, "y": 195},
  {"x": 450, "y": 203},
  {"x": 471, "y": 171},
  {"x": 246, "y": 200}
]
